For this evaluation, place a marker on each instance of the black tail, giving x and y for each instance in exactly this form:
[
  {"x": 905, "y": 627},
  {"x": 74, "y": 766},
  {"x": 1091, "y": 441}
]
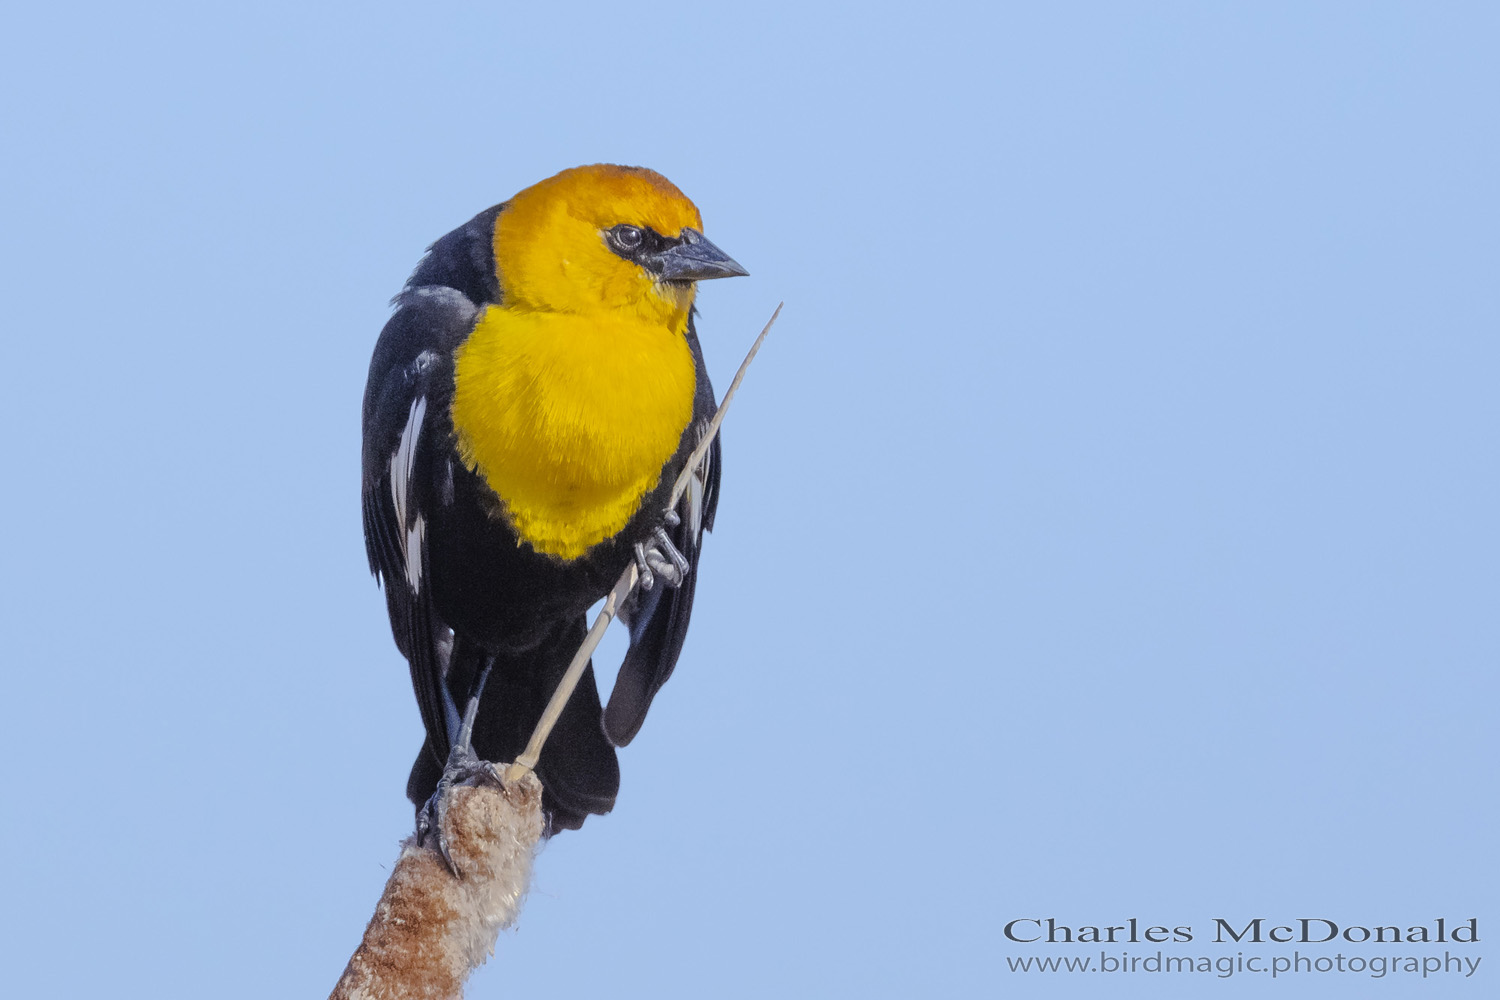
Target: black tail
[{"x": 578, "y": 768}]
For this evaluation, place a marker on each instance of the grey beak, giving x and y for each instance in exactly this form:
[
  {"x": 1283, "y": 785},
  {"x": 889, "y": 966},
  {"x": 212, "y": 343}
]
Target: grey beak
[{"x": 695, "y": 259}]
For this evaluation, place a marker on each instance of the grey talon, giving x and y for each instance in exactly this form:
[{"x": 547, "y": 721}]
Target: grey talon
[
  {"x": 670, "y": 550},
  {"x": 463, "y": 767},
  {"x": 643, "y": 563},
  {"x": 660, "y": 558}
]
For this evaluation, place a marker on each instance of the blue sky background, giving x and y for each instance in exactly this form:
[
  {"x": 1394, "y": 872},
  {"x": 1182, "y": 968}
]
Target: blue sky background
[{"x": 1108, "y": 528}]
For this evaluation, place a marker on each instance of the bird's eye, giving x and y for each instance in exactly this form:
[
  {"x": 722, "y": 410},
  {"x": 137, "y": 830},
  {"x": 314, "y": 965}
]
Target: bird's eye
[{"x": 629, "y": 237}]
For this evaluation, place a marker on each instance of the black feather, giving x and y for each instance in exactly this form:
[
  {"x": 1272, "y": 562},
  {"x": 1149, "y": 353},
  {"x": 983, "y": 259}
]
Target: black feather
[{"x": 483, "y": 596}]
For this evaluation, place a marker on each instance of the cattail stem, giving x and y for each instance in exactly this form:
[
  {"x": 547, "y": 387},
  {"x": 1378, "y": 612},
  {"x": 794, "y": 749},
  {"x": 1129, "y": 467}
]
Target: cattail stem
[{"x": 430, "y": 930}]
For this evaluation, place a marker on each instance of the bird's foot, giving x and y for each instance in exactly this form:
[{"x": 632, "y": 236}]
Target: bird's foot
[
  {"x": 659, "y": 558},
  {"x": 464, "y": 767}
]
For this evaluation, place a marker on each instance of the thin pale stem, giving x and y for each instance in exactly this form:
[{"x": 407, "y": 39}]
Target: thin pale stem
[
  {"x": 696, "y": 458},
  {"x": 626, "y": 584},
  {"x": 527, "y": 760}
]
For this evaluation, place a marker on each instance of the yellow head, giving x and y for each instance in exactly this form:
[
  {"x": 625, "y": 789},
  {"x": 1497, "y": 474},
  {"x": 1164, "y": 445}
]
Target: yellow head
[{"x": 604, "y": 238}]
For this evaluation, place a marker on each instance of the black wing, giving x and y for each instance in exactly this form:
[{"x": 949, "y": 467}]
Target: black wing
[
  {"x": 659, "y": 621},
  {"x": 406, "y": 397}
]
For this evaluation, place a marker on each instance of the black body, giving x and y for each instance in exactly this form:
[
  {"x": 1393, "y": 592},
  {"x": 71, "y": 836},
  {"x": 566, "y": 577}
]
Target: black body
[{"x": 460, "y": 589}]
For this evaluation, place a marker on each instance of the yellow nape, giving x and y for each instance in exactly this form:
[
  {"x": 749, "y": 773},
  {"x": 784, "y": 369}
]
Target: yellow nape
[
  {"x": 570, "y": 419},
  {"x": 571, "y": 395}
]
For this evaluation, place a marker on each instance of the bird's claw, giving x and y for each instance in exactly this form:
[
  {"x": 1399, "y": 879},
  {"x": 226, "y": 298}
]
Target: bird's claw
[
  {"x": 464, "y": 767},
  {"x": 660, "y": 558}
]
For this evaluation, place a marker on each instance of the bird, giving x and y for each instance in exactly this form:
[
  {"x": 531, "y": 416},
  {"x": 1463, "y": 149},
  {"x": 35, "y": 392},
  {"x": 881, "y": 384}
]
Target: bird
[{"x": 530, "y": 403}]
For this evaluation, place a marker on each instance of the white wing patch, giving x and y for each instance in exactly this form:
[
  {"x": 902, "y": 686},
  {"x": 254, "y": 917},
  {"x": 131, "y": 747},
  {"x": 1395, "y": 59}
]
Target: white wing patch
[
  {"x": 697, "y": 486},
  {"x": 410, "y": 533},
  {"x": 413, "y": 543},
  {"x": 695, "y": 503}
]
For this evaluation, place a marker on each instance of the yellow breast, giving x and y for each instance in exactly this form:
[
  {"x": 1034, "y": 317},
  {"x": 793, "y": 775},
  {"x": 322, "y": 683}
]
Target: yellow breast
[{"x": 569, "y": 419}]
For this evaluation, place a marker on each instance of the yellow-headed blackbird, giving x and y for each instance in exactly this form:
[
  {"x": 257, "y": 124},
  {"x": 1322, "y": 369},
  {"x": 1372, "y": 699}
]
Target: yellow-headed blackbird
[{"x": 529, "y": 406}]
